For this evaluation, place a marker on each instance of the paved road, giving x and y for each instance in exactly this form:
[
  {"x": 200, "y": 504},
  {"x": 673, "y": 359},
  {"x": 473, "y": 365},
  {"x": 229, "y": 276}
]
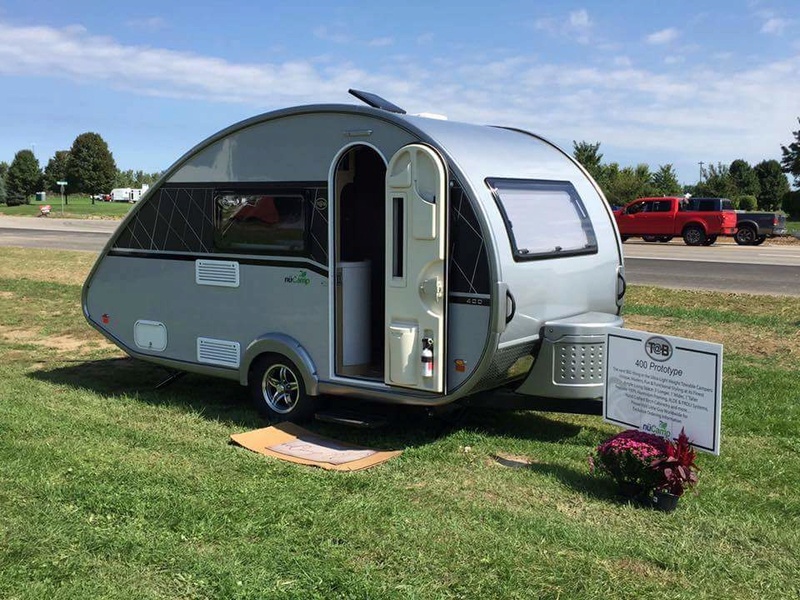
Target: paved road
[{"x": 767, "y": 269}]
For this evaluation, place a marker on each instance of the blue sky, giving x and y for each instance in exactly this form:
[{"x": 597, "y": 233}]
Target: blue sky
[{"x": 670, "y": 82}]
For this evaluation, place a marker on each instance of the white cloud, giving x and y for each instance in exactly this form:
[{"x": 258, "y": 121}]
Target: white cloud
[
  {"x": 697, "y": 113},
  {"x": 577, "y": 25},
  {"x": 774, "y": 26},
  {"x": 662, "y": 37},
  {"x": 674, "y": 60}
]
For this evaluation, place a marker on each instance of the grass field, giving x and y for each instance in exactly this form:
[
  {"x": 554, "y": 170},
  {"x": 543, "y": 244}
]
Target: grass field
[
  {"x": 78, "y": 207},
  {"x": 111, "y": 490}
]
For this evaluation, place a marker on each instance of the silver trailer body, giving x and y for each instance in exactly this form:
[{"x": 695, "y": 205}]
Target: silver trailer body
[{"x": 379, "y": 255}]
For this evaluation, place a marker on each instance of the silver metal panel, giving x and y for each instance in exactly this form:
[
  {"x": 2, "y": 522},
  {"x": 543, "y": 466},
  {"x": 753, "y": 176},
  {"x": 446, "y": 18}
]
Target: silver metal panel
[
  {"x": 290, "y": 148},
  {"x": 468, "y": 329},
  {"x": 267, "y": 300}
]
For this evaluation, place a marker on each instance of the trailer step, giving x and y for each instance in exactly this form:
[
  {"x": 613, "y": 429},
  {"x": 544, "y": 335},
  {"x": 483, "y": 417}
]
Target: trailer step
[{"x": 352, "y": 418}]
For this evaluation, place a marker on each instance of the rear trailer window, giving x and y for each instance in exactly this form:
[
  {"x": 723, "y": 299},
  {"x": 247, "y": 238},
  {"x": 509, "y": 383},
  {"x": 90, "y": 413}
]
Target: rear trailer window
[{"x": 544, "y": 219}]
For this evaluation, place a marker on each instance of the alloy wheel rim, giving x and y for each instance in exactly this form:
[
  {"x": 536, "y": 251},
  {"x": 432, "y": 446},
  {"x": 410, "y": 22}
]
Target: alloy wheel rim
[{"x": 280, "y": 388}]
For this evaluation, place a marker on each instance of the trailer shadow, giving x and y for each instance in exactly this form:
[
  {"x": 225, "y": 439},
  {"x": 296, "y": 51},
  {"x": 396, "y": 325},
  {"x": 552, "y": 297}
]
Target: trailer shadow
[{"x": 227, "y": 402}]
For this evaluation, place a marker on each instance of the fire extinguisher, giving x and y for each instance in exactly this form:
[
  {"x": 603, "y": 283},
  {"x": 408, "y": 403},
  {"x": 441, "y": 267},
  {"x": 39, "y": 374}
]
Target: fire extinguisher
[{"x": 427, "y": 357}]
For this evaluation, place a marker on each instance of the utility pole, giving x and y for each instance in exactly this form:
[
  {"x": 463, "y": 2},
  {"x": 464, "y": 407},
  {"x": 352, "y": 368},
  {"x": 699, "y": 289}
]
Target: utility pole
[{"x": 701, "y": 163}]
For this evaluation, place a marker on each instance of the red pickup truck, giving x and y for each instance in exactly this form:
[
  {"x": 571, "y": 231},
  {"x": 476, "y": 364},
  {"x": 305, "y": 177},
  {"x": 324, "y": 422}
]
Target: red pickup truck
[{"x": 661, "y": 219}]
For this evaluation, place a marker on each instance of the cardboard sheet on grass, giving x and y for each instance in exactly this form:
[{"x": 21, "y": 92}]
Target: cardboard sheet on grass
[{"x": 292, "y": 443}]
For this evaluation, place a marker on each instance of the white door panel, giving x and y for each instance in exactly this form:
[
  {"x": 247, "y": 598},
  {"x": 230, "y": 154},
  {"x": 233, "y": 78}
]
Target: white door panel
[{"x": 416, "y": 190}]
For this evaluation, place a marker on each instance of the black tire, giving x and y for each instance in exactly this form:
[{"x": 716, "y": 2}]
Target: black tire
[
  {"x": 664, "y": 238},
  {"x": 760, "y": 240},
  {"x": 650, "y": 238},
  {"x": 746, "y": 236},
  {"x": 278, "y": 391},
  {"x": 710, "y": 240},
  {"x": 693, "y": 235}
]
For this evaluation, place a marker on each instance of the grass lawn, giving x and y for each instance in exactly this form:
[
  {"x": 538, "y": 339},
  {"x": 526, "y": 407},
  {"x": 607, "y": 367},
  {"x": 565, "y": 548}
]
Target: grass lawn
[
  {"x": 109, "y": 489},
  {"x": 78, "y": 207}
]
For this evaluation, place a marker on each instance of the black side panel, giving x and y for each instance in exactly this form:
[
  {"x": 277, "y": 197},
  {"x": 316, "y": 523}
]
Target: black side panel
[
  {"x": 174, "y": 219},
  {"x": 469, "y": 264}
]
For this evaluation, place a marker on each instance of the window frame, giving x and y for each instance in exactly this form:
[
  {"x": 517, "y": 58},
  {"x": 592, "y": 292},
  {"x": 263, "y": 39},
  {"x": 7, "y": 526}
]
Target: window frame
[{"x": 544, "y": 185}]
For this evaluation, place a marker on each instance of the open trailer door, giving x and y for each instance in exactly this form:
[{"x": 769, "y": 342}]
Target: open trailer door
[{"x": 416, "y": 192}]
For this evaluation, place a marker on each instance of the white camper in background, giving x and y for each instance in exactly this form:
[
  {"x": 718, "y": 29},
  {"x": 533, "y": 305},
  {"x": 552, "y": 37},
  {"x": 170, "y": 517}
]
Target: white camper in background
[
  {"x": 360, "y": 251},
  {"x": 128, "y": 194}
]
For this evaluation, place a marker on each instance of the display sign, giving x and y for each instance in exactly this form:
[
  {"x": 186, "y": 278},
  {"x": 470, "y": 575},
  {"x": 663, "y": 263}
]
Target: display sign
[{"x": 660, "y": 384}]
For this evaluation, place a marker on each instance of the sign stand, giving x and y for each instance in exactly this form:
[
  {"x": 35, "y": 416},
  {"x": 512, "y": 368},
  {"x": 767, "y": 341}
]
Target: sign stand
[{"x": 62, "y": 184}]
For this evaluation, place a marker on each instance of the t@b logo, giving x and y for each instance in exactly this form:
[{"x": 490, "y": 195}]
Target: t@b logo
[{"x": 658, "y": 349}]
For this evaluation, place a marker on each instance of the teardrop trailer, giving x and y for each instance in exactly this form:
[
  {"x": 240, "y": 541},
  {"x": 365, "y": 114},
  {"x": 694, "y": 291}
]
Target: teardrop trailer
[{"x": 348, "y": 250}]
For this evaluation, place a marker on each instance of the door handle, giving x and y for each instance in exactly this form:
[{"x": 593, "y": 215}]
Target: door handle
[{"x": 432, "y": 288}]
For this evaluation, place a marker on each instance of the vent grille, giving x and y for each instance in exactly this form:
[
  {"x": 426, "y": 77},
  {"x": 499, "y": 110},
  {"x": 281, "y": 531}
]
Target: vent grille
[
  {"x": 579, "y": 363},
  {"x": 218, "y": 352},
  {"x": 216, "y": 272}
]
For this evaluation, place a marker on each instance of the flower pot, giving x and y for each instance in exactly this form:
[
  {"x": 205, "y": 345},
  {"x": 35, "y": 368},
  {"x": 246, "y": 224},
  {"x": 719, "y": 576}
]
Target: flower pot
[{"x": 665, "y": 501}]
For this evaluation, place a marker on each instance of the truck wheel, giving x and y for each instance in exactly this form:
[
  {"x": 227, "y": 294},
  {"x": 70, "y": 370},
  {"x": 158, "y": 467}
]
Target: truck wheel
[
  {"x": 650, "y": 238},
  {"x": 665, "y": 238},
  {"x": 746, "y": 235},
  {"x": 277, "y": 390},
  {"x": 694, "y": 235},
  {"x": 710, "y": 240},
  {"x": 759, "y": 240}
]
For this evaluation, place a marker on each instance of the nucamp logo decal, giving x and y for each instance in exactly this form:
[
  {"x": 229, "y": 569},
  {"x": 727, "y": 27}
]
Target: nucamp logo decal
[
  {"x": 301, "y": 278},
  {"x": 661, "y": 429}
]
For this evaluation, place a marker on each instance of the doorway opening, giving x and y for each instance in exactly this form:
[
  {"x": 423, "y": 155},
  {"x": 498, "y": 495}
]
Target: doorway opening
[{"x": 360, "y": 254}]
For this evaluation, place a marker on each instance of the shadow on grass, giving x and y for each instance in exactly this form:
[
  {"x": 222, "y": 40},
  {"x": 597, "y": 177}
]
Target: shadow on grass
[
  {"x": 227, "y": 401},
  {"x": 582, "y": 482}
]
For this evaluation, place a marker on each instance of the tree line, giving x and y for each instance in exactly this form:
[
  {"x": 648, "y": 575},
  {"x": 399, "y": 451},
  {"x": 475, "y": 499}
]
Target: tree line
[
  {"x": 88, "y": 167},
  {"x": 760, "y": 187}
]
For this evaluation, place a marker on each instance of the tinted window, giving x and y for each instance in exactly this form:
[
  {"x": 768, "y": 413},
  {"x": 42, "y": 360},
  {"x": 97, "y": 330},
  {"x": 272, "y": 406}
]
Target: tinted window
[
  {"x": 260, "y": 222},
  {"x": 543, "y": 218}
]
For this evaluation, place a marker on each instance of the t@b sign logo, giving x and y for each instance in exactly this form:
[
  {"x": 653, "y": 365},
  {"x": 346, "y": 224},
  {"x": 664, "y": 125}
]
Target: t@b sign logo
[{"x": 658, "y": 348}]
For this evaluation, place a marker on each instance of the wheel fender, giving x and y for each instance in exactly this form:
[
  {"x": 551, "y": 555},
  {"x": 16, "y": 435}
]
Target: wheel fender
[
  {"x": 700, "y": 224},
  {"x": 751, "y": 224},
  {"x": 280, "y": 343}
]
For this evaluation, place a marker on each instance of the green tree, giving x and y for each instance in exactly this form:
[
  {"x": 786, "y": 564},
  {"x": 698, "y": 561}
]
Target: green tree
[
  {"x": 23, "y": 178},
  {"x": 791, "y": 204},
  {"x": 665, "y": 181},
  {"x": 791, "y": 157},
  {"x": 3, "y": 169},
  {"x": 744, "y": 178},
  {"x": 746, "y": 202},
  {"x": 627, "y": 184},
  {"x": 91, "y": 168},
  {"x": 2, "y": 190},
  {"x": 590, "y": 157},
  {"x": 717, "y": 184},
  {"x": 56, "y": 170},
  {"x": 773, "y": 184},
  {"x": 124, "y": 179}
]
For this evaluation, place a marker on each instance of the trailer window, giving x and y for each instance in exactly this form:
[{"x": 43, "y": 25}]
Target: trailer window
[
  {"x": 544, "y": 219},
  {"x": 260, "y": 223}
]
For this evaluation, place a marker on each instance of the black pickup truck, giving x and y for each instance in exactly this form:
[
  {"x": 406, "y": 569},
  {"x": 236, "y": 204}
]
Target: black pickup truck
[{"x": 752, "y": 228}]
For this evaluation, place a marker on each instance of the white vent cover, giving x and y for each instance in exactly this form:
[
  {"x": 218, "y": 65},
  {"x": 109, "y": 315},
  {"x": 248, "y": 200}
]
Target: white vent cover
[
  {"x": 216, "y": 272},
  {"x": 218, "y": 352}
]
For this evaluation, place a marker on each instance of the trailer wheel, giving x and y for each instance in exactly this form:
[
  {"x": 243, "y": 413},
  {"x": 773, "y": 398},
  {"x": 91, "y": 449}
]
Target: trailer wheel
[
  {"x": 746, "y": 235},
  {"x": 694, "y": 235},
  {"x": 710, "y": 240},
  {"x": 277, "y": 390}
]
